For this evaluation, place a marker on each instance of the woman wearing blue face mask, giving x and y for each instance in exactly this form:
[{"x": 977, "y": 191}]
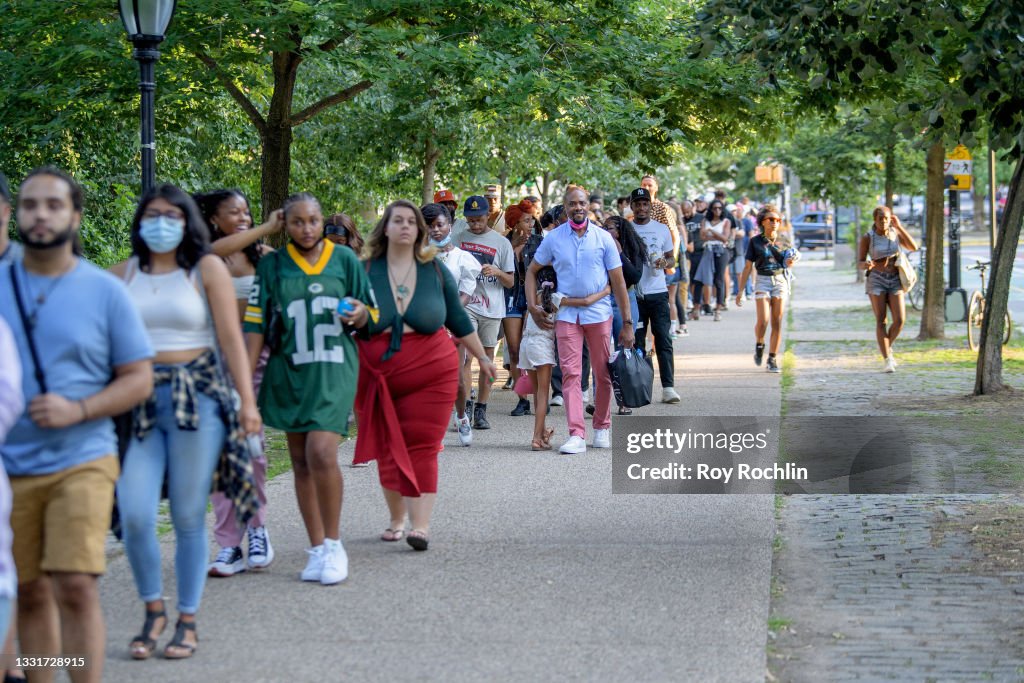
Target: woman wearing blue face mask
[{"x": 184, "y": 294}]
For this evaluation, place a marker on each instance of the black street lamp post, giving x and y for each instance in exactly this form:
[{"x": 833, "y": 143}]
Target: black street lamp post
[{"x": 145, "y": 22}]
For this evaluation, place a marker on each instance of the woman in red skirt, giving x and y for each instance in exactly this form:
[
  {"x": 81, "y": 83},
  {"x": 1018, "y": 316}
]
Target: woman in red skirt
[{"x": 408, "y": 367}]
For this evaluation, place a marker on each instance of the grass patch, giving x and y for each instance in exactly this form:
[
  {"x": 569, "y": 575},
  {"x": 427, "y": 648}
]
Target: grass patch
[
  {"x": 918, "y": 354},
  {"x": 998, "y": 469},
  {"x": 278, "y": 459},
  {"x": 776, "y": 624},
  {"x": 788, "y": 369}
]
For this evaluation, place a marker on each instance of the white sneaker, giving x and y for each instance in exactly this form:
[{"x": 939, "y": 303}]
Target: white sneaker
[
  {"x": 557, "y": 400},
  {"x": 586, "y": 396},
  {"x": 574, "y": 446},
  {"x": 602, "y": 438},
  {"x": 669, "y": 395},
  {"x": 673, "y": 328},
  {"x": 465, "y": 431},
  {"x": 315, "y": 564},
  {"x": 228, "y": 562},
  {"x": 890, "y": 365},
  {"x": 335, "y": 563},
  {"x": 261, "y": 553}
]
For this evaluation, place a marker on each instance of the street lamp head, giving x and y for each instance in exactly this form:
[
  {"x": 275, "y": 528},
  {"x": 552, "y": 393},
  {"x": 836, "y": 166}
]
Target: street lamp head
[{"x": 146, "y": 19}]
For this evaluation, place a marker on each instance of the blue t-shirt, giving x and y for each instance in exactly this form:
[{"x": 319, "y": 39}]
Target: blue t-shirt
[
  {"x": 85, "y": 327},
  {"x": 12, "y": 253}
]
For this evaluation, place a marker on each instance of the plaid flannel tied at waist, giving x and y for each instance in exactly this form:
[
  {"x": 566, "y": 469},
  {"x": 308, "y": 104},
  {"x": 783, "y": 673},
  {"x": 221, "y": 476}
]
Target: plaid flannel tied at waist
[{"x": 234, "y": 474}]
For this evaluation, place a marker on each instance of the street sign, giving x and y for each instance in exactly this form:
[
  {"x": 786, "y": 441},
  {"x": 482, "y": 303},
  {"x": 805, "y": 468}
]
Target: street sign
[
  {"x": 768, "y": 174},
  {"x": 958, "y": 164}
]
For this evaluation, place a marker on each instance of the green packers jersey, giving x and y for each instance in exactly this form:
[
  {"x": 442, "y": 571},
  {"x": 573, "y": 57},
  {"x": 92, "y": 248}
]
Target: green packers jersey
[{"x": 310, "y": 380}]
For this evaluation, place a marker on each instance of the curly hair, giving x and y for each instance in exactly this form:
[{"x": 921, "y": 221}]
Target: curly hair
[
  {"x": 209, "y": 204},
  {"x": 377, "y": 243},
  {"x": 763, "y": 212},
  {"x": 632, "y": 245}
]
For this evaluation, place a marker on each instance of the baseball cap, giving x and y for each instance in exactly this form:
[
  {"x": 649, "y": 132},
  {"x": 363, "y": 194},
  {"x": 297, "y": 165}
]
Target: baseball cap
[
  {"x": 639, "y": 193},
  {"x": 475, "y": 206},
  {"x": 492, "y": 191},
  {"x": 444, "y": 196},
  {"x": 5, "y": 191}
]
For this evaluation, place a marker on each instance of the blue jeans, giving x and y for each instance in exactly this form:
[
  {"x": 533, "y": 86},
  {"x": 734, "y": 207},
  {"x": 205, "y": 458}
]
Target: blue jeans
[
  {"x": 617, "y": 316},
  {"x": 188, "y": 458}
]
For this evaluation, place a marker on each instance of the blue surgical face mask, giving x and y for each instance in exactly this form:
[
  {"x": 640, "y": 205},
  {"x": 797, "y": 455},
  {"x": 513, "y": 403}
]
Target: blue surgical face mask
[
  {"x": 443, "y": 243},
  {"x": 162, "y": 234}
]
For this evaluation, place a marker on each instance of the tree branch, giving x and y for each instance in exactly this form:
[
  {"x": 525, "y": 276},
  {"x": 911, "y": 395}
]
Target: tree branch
[
  {"x": 244, "y": 102},
  {"x": 338, "y": 97}
]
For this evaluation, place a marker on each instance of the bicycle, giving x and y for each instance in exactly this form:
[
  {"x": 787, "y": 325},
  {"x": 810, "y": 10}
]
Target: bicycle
[
  {"x": 976, "y": 311},
  {"x": 916, "y": 294}
]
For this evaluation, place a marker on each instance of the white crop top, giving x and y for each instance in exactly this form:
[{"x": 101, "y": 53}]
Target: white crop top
[
  {"x": 174, "y": 312},
  {"x": 243, "y": 286}
]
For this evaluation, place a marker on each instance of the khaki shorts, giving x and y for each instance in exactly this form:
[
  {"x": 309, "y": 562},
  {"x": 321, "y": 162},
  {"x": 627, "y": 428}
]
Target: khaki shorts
[
  {"x": 60, "y": 520},
  {"x": 486, "y": 328}
]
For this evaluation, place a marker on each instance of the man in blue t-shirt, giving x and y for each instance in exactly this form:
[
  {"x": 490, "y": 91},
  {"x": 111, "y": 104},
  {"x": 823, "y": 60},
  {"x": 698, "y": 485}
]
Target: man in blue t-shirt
[{"x": 86, "y": 357}]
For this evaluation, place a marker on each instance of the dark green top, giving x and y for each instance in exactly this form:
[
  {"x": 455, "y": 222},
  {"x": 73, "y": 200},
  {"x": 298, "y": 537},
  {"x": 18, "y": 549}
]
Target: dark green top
[{"x": 434, "y": 304}]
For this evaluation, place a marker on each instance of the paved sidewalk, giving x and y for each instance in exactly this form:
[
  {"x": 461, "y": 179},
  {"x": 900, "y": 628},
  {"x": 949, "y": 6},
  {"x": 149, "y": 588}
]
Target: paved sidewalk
[
  {"x": 890, "y": 587},
  {"x": 535, "y": 570}
]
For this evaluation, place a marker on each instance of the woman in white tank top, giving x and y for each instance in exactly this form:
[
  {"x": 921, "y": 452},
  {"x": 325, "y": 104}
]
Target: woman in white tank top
[
  {"x": 179, "y": 434},
  {"x": 240, "y": 245},
  {"x": 715, "y": 231},
  {"x": 877, "y": 254}
]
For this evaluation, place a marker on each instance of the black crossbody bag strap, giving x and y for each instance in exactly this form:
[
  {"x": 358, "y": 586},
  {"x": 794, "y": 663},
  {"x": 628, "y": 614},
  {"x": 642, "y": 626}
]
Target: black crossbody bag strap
[{"x": 40, "y": 378}]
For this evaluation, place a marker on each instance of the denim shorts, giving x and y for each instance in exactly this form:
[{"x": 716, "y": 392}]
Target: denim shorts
[
  {"x": 884, "y": 283},
  {"x": 771, "y": 286}
]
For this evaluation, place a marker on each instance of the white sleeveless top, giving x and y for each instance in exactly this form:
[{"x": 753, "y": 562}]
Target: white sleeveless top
[
  {"x": 174, "y": 312},
  {"x": 243, "y": 286}
]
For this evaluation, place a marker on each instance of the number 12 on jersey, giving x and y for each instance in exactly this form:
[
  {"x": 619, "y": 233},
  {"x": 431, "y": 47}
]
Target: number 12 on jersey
[{"x": 319, "y": 353}]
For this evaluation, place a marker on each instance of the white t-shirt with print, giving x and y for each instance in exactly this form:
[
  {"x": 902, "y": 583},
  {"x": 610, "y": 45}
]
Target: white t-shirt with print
[
  {"x": 490, "y": 248},
  {"x": 658, "y": 240}
]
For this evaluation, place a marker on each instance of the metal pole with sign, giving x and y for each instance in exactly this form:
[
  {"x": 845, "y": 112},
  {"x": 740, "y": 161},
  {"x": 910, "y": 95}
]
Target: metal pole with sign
[{"x": 958, "y": 177}]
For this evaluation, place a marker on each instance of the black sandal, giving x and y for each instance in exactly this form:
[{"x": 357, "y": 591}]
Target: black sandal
[
  {"x": 143, "y": 645},
  {"x": 178, "y": 640},
  {"x": 417, "y": 539},
  {"x": 623, "y": 410}
]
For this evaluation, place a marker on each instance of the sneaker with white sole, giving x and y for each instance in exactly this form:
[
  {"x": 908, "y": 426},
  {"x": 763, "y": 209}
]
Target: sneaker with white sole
[
  {"x": 229, "y": 561},
  {"x": 602, "y": 438},
  {"x": 557, "y": 400},
  {"x": 586, "y": 396},
  {"x": 669, "y": 395},
  {"x": 465, "y": 431},
  {"x": 574, "y": 446},
  {"x": 314, "y": 565},
  {"x": 261, "y": 553},
  {"x": 335, "y": 563},
  {"x": 890, "y": 365}
]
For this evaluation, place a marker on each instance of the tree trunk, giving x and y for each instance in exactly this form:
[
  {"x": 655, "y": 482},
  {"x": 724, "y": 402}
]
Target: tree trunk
[
  {"x": 430, "y": 157},
  {"x": 933, "y": 318},
  {"x": 276, "y": 160},
  {"x": 989, "y": 374},
  {"x": 545, "y": 185},
  {"x": 890, "y": 173},
  {"x": 502, "y": 179}
]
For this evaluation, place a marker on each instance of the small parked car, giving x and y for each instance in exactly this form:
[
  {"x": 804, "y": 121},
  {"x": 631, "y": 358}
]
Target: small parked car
[{"x": 814, "y": 229}]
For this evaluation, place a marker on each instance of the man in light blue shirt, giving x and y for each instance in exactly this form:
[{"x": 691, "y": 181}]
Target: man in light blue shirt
[
  {"x": 85, "y": 356},
  {"x": 587, "y": 265}
]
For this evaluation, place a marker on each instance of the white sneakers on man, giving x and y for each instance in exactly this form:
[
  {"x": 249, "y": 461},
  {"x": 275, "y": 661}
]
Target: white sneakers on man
[
  {"x": 602, "y": 438},
  {"x": 574, "y": 446},
  {"x": 465, "y": 430},
  {"x": 890, "y": 364},
  {"x": 669, "y": 395},
  {"x": 586, "y": 396}
]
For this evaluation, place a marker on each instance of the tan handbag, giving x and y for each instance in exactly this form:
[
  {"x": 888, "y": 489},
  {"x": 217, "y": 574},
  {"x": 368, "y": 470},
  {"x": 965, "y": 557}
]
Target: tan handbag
[{"x": 908, "y": 275}]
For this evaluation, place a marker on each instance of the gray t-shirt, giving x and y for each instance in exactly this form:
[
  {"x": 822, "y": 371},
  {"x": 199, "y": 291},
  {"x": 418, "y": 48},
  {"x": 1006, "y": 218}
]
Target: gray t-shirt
[
  {"x": 658, "y": 240},
  {"x": 489, "y": 248}
]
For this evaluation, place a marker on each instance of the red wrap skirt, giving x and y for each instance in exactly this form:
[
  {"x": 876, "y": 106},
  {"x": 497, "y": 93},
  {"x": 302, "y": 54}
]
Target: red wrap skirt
[{"x": 404, "y": 405}]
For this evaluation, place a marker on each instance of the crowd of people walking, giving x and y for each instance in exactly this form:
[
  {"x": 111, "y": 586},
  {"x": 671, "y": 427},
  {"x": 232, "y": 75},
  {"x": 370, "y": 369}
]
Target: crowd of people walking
[{"x": 206, "y": 333}]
